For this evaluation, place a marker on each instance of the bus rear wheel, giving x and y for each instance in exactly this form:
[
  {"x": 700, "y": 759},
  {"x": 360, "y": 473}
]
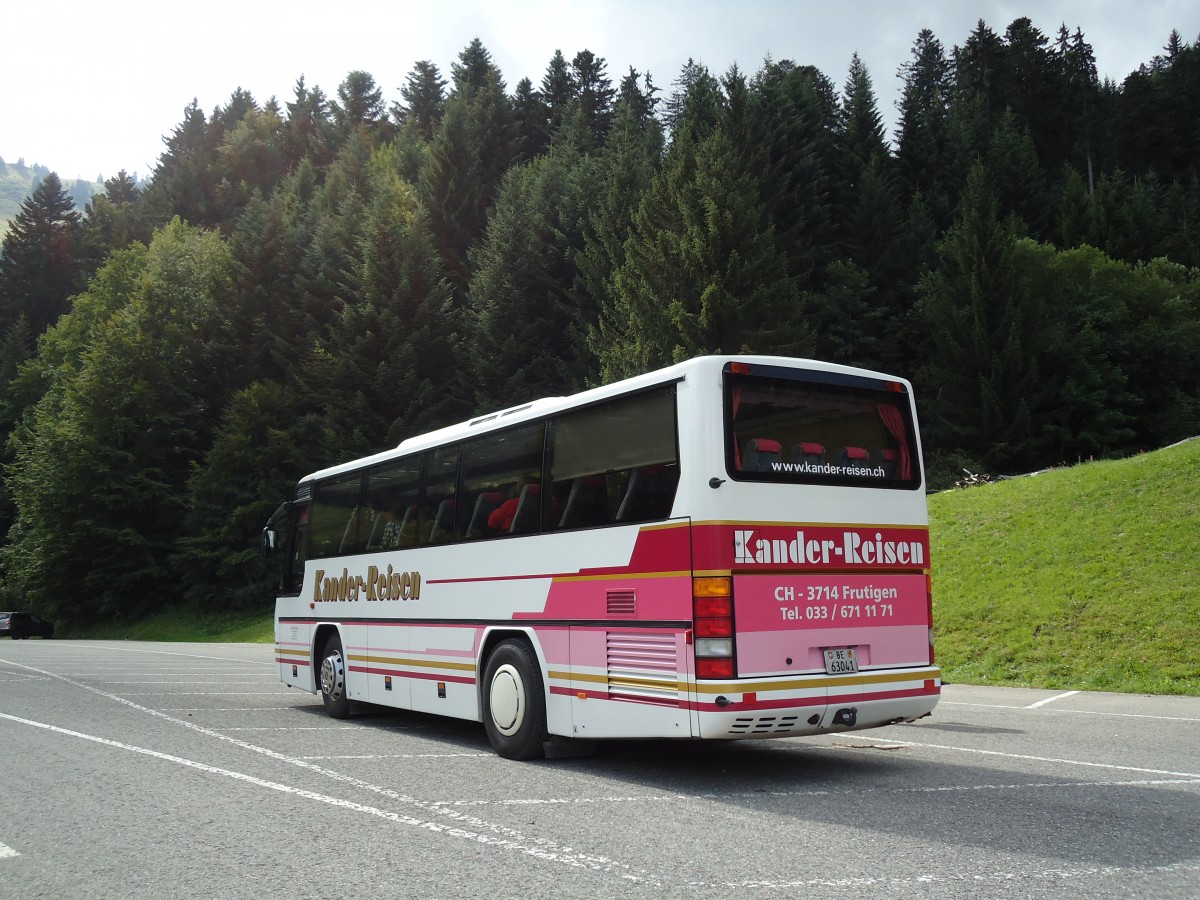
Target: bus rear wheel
[
  {"x": 514, "y": 703},
  {"x": 333, "y": 679}
]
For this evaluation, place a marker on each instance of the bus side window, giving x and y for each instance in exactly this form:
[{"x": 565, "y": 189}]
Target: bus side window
[
  {"x": 614, "y": 462},
  {"x": 294, "y": 576},
  {"x": 499, "y": 483},
  {"x": 336, "y": 516},
  {"x": 586, "y": 504},
  {"x": 438, "y": 496},
  {"x": 391, "y": 500},
  {"x": 527, "y": 518},
  {"x": 443, "y": 523},
  {"x": 650, "y": 493}
]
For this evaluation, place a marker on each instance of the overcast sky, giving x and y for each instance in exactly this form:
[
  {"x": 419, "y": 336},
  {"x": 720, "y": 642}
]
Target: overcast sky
[{"x": 89, "y": 88}]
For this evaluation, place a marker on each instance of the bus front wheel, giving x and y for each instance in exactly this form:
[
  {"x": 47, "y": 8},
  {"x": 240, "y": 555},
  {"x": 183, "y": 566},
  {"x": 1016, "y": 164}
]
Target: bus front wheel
[
  {"x": 514, "y": 704},
  {"x": 333, "y": 679}
]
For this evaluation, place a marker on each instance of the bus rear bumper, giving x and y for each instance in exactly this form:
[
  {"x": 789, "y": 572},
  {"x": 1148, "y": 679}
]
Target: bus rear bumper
[{"x": 765, "y": 708}]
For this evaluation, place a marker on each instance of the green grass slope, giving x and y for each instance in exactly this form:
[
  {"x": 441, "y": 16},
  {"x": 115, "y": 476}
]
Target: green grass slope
[
  {"x": 186, "y": 623},
  {"x": 1083, "y": 578}
]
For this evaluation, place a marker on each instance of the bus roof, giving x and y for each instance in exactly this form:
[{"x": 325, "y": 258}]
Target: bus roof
[{"x": 549, "y": 405}]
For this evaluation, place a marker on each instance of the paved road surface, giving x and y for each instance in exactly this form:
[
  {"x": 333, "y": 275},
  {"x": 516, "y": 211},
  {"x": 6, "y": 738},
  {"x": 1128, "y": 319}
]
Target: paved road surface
[{"x": 188, "y": 770}]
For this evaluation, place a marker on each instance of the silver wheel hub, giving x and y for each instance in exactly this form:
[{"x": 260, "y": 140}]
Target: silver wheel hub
[
  {"x": 506, "y": 700},
  {"x": 333, "y": 676}
]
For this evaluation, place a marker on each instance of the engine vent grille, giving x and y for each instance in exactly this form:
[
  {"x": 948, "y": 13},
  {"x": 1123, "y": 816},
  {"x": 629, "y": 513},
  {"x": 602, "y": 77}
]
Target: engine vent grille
[
  {"x": 622, "y": 603},
  {"x": 643, "y": 667},
  {"x": 764, "y": 725}
]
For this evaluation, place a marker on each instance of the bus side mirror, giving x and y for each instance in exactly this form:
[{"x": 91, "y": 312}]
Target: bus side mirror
[{"x": 272, "y": 534}]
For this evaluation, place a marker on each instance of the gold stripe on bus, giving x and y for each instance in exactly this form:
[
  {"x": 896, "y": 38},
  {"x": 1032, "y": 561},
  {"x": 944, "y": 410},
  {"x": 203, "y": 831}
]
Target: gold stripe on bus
[
  {"x": 291, "y": 651},
  {"x": 419, "y": 663},
  {"x": 818, "y": 680},
  {"x": 742, "y": 523},
  {"x": 587, "y": 678},
  {"x": 624, "y": 576},
  {"x": 667, "y": 526}
]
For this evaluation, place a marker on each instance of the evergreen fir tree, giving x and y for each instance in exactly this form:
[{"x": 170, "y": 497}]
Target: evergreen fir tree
[
  {"x": 469, "y": 156},
  {"x": 594, "y": 94},
  {"x": 184, "y": 183},
  {"x": 1076, "y": 224},
  {"x": 530, "y": 112},
  {"x": 309, "y": 132},
  {"x": 40, "y": 266},
  {"x": 524, "y": 328},
  {"x": 694, "y": 108},
  {"x": 360, "y": 108},
  {"x": 1080, "y": 100},
  {"x": 855, "y": 314},
  {"x": 982, "y": 379},
  {"x": 802, "y": 167},
  {"x": 921, "y": 142},
  {"x": 112, "y": 220},
  {"x": 624, "y": 169},
  {"x": 424, "y": 100},
  {"x": 1022, "y": 188},
  {"x": 703, "y": 272},
  {"x": 559, "y": 90}
]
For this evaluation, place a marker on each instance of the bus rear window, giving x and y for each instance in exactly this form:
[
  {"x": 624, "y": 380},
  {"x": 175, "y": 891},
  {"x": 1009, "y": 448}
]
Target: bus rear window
[{"x": 799, "y": 427}]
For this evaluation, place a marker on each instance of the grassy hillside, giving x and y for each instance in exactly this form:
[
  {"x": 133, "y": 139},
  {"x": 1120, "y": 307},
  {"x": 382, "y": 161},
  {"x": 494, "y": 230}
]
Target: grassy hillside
[{"x": 1082, "y": 578}]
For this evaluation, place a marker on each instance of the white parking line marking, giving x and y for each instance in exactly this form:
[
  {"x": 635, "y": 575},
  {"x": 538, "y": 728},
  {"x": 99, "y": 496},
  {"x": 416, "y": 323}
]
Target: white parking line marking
[
  {"x": 187, "y": 681},
  {"x": 847, "y": 792},
  {"x": 1071, "y": 712},
  {"x": 1046, "y": 759},
  {"x": 193, "y": 694},
  {"x": 123, "y": 649},
  {"x": 408, "y": 756},
  {"x": 7, "y": 852},
  {"x": 1042, "y": 703},
  {"x": 897, "y": 885},
  {"x": 294, "y": 728},
  {"x": 208, "y": 709}
]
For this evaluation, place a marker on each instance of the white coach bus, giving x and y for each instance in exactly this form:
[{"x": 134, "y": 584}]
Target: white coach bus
[{"x": 732, "y": 547}]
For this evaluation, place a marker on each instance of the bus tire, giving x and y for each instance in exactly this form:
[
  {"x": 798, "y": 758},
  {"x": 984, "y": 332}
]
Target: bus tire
[
  {"x": 514, "y": 702},
  {"x": 333, "y": 679}
]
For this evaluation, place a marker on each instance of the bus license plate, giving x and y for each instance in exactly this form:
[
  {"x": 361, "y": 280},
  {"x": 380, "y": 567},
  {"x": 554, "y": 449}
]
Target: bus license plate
[{"x": 840, "y": 660}]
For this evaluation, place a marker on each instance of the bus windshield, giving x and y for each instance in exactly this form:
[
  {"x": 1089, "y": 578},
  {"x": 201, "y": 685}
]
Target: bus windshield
[{"x": 796, "y": 427}]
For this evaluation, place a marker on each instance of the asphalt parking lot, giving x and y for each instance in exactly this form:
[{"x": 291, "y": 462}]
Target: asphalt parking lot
[{"x": 180, "y": 770}]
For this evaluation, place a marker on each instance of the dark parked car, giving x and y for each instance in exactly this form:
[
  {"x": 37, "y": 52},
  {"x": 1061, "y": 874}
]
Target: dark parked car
[{"x": 18, "y": 625}]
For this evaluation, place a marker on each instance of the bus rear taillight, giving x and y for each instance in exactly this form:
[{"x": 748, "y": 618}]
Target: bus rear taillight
[{"x": 712, "y": 614}]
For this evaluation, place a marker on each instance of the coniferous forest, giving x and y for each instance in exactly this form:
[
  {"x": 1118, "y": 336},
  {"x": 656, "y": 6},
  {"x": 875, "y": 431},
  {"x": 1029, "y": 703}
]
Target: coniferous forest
[{"x": 308, "y": 280}]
